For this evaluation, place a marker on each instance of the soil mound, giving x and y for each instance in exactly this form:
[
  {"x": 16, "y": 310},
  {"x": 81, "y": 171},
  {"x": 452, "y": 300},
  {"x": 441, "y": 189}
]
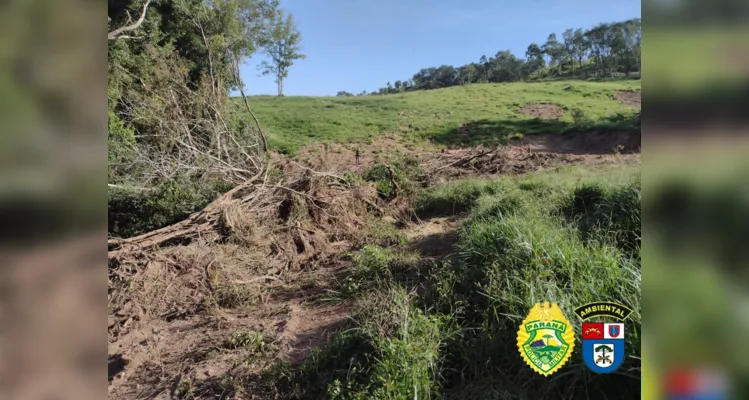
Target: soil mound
[
  {"x": 543, "y": 110},
  {"x": 632, "y": 98}
]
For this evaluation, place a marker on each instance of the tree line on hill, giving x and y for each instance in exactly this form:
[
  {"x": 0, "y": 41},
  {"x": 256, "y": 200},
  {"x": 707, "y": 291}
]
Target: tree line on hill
[{"x": 606, "y": 50}]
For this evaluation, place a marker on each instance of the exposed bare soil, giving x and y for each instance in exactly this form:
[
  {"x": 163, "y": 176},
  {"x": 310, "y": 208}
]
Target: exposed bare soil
[
  {"x": 632, "y": 98},
  {"x": 342, "y": 158},
  {"x": 173, "y": 329},
  {"x": 550, "y": 149},
  {"x": 588, "y": 145},
  {"x": 543, "y": 110}
]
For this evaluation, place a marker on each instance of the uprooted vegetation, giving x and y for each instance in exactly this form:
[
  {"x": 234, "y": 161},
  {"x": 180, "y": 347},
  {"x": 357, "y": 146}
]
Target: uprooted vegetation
[{"x": 308, "y": 289}]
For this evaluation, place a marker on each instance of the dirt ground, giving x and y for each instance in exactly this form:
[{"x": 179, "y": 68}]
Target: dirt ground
[
  {"x": 543, "y": 110},
  {"x": 192, "y": 343},
  {"x": 554, "y": 149},
  {"x": 433, "y": 238},
  {"x": 587, "y": 145},
  {"x": 632, "y": 98},
  {"x": 342, "y": 158},
  {"x": 174, "y": 329}
]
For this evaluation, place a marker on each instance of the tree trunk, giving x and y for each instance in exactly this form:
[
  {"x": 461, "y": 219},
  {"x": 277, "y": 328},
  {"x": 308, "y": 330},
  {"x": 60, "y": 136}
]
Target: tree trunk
[{"x": 280, "y": 86}]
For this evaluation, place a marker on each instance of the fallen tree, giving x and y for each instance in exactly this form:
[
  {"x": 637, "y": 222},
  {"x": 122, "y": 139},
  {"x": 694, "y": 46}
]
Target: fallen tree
[{"x": 292, "y": 220}]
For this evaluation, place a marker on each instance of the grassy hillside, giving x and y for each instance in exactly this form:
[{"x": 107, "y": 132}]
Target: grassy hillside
[{"x": 491, "y": 111}]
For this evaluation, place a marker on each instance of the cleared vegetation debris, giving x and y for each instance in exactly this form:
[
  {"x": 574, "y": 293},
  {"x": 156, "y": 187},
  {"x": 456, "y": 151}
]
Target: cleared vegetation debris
[{"x": 498, "y": 160}]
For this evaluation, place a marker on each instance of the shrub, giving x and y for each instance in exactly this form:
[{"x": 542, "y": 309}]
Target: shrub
[
  {"x": 135, "y": 211},
  {"x": 391, "y": 352},
  {"x": 579, "y": 117},
  {"x": 456, "y": 197},
  {"x": 407, "y": 173},
  {"x": 612, "y": 214}
]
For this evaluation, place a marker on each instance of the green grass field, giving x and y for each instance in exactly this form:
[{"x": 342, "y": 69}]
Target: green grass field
[{"x": 491, "y": 110}]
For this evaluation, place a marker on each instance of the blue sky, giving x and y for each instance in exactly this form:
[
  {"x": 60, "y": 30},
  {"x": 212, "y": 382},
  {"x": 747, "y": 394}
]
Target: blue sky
[{"x": 357, "y": 45}]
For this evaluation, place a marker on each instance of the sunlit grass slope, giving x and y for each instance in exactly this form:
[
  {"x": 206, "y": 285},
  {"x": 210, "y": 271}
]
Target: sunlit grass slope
[{"x": 434, "y": 116}]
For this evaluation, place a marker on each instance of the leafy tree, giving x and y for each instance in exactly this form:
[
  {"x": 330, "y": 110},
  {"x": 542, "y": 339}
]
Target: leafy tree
[
  {"x": 344, "y": 93},
  {"x": 283, "y": 49},
  {"x": 580, "y": 48},
  {"x": 469, "y": 73},
  {"x": 534, "y": 58},
  {"x": 627, "y": 37},
  {"x": 553, "y": 50},
  {"x": 599, "y": 39},
  {"x": 445, "y": 76},
  {"x": 569, "y": 48},
  {"x": 484, "y": 69}
]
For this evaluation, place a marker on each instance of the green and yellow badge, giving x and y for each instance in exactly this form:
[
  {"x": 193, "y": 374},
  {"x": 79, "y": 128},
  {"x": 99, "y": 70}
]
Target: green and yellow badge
[{"x": 546, "y": 338}]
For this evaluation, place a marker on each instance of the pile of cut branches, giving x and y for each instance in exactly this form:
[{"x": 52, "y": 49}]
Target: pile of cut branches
[
  {"x": 295, "y": 220},
  {"x": 258, "y": 233}
]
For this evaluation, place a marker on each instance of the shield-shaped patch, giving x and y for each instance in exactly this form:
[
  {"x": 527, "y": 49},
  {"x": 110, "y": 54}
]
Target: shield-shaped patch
[{"x": 603, "y": 346}]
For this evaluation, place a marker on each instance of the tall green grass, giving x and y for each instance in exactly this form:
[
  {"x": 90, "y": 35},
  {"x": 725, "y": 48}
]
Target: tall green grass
[
  {"x": 456, "y": 197},
  {"x": 605, "y": 212},
  {"x": 391, "y": 350}
]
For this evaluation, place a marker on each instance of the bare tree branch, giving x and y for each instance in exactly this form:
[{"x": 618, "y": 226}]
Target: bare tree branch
[
  {"x": 210, "y": 57},
  {"x": 238, "y": 79},
  {"x": 116, "y": 34}
]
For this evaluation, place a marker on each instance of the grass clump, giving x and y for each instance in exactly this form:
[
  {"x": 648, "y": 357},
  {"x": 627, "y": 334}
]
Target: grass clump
[
  {"x": 372, "y": 266},
  {"x": 607, "y": 213},
  {"x": 406, "y": 172},
  {"x": 392, "y": 351},
  {"x": 249, "y": 340},
  {"x": 233, "y": 296},
  {"x": 456, "y": 197},
  {"x": 384, "y": 233},
  {"x": 254, "y": 345}
]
